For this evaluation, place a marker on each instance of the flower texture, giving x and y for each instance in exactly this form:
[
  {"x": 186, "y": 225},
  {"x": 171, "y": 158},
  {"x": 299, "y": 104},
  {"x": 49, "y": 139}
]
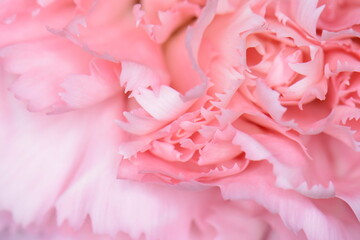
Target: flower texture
[{"x": 179, "y": 119}]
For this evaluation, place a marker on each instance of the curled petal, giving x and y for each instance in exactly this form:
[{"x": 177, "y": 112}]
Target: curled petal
[{"x": 165, "y": 105}]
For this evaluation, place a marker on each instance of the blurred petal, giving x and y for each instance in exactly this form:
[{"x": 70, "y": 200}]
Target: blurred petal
[{"x": 43, "y": 170}]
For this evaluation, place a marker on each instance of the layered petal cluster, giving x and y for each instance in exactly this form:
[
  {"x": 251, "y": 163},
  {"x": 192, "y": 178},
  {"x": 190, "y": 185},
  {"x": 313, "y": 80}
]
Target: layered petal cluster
[{"x": 179, "y": 119}]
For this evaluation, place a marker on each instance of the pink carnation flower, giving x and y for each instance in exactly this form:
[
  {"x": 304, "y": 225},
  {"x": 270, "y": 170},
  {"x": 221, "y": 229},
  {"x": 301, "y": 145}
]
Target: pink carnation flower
[{"x": 179, "y": 119}]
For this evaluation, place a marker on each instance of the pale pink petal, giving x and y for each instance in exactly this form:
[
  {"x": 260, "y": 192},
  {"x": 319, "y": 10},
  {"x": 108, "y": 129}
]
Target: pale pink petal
[
  {"x": 113, "y": 20},
  {"x": 41, "y": 170},
  {"x": 312, "y": 118},
  {"x": 345, "y": 134},
  {"x": 135, "y": 76},
  {"x": 304, "y": 13},
  {"x": 326, "y": 35},
  {"x": 137, "y": 208},
  {"x": 338, "y": 61},
  {"x": 306, "y": 88},
  {"x": 230, "y": 43},
  {"x": 130, "y": 148},
  {"x": 269, "y": 100},
  {"x": 45, "y": 3},
  {"x": 161, "y": 23},
  {"x": 181, "y": 80},
  {"x": 295, "y": 172},
  {"x": 36, "y": 63},
  {"x": 148, "y": 168},
  {"x": 191, "y": 119},
  {"x": 278, "y": 230},
  {"x": 24, "y": 20},
  {"x": 140, "y": 122},
  {"x": 220, "y": 148},
  {"x": 49, "y": 231},
  {"x": 341, "y": 165},
  {"x": 296, "y": 211},
  {"x": 345, "y": 125},
  {"x": 165, "y": 105},
  {"x": 291, "y": 172},
  {"x": 238, "y": 220},
  {"x": 307, "y": 15},
  {"x": 339, "y": 15},
  {"x": 83, "y": 4},
  {"x": 283, "y": 31},
  {"x": 10, "y": 8},
  {"x": 85, "y": 90},
  {"x": 194, "y": 37}
]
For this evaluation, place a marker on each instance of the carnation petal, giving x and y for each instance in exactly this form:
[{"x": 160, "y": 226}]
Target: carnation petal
[
  {"x": 137, "y": 208},
  {"x": 193, "y": 40},
  {"x": 139, "y": 122},
  {"x": 169, "y": 19},
  {"x": 166, "y": 104},
  {"x": 36, "y": 63},
  {"x": 308, "y": 14},
  {"x": 25, "y": 20},
  {"x": 341, "y": 168},
  {"x": 135, "y": 76},
  {"x": 339, "y": 15},
  {"x": 113, "y": 20},
  {"x": 41, "y": 170},
  {"x": 86, "y": 90},
  {"x": 296, "y": 211},
  {"x": 269, "y": 100}
]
